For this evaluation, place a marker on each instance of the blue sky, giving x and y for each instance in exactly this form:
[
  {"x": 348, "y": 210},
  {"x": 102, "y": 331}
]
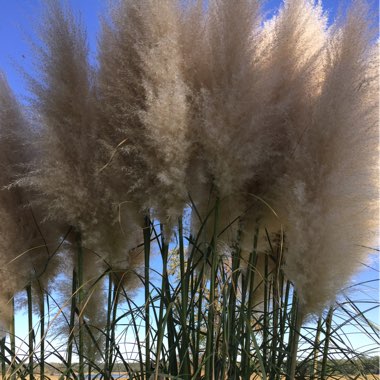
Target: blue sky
[
  {"x": 18, "y": 18},
  {"x": 17, "y": 21}
]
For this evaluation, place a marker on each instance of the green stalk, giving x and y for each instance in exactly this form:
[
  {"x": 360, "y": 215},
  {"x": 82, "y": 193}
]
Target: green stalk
[
  {"x": 197, "y": 287},
  {"x": 327, "y": 342},
  {"x": 147, "y": 295},
  {"x": 316, "y": 350},
  {"x": 71, "y": 324},
  {"x": 42, "y": 337},
  {"x": 242, "y": 312},
  {"x": 276, "y": 311},
  {"x": 88, "y": 371},
  {"x": 31, "y": 331},
  {"x": 210, "y": 352},
  {"x": 113, "y": 326},
  {"x": 185, "y": 358},
  {"x": 160, "y": 337},
  {"x": 80, "y": 294},
  {"x": 12, "y": 336},
  {"x": 199, "y": 322},
  {"x": 161, "y": 296},
  {"x": 192, "y": 314},
  {"x": 266, "y": 314},
  {"x": 250, "y": 283},
  {"x": 3, "y": 363},
  {"x": 225, "y": 329},
  {"x": 232, "y": 338},
  {"x": 108, "y": 329},
  {"x": 242, "y": 319},
  {"x": 273, "y": 358},
  {"x": 136, "y": 332},
  {"x": 173, "y": 370},
  {"x": 295, "y": 329},
  {"x": 283, "y": 318}
]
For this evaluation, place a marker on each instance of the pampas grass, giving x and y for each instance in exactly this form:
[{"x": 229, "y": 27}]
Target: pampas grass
[
  {"x": 332, "y": 171},
  {"x": 263, "y": 131},
  {"x": 19, "y": 236}
]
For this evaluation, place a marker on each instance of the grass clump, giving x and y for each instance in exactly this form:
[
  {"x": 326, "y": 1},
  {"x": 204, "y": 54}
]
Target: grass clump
[{"x": 238, "y": 150}]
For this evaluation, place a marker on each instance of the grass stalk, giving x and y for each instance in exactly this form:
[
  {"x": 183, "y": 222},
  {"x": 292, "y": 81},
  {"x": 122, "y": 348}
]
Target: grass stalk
[
  {"x": 31, "y": 332},
  {"x": 146, "y": 234},
  {"x": 283, "y": 318},
  {"x": 232, "y": 295},
  {"x": 226, "y": 332},
  {"x": 89, "y": 370},
  {"x": 108, "y": 329},
  {"x": 327, "y": 342},
  {"x": 295, "y": 330},
  {"x": 80, "y": 294},
  {"x": 314, "y": 368},
  {"x": 71, "y": 324},
  {"x": 42, "y": 336},
  {"x": 199, "y": 314},
  {"x": 3, "y": 360},
  {"x": 210, "y": 351},
  {"x": 266, "y": 313},
  {"x": 199, "y": 326},
  {"x": 115, "y": 302},
  {"x": 135, "y": 328},
  {"x": 12, "y": 337},
  {"x": 184, "y": 352},
  {"x": 251, "y": 269},
  {"x": 192, "y": 317},
  {"x": 277, "y": 282},
  {"x": 160, "y": 341},
  {"x": 275, "y": 323},
  {"x": 241, "y": 321},
  {"x": 173, "y": 370}
]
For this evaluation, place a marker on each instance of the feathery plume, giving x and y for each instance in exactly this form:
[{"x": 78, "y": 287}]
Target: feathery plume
[
  {"x": 17, "y": 229},
  {"x": 329, "y": 195},
  {"x": 228, "y": 123},
  {"x": 66, "y": 174},
  {"x": 145, "y": 104}
]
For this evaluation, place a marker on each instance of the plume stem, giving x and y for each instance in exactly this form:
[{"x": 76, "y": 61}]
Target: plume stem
[
  {"x": 71, "y": 324},
  {"x": 296, "y": 324},
  {"x": 147, "y": 294},
  {"x": 12, "y": 336},
  {"x": 80, "y": 304},
  {"x": 316, "y": 350},
  {"x": 327, "y": 342},
  {"x": 3, "y": 365},
  {"x": 210, "y": 347},
  {"x": 31, "y": 331}
]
